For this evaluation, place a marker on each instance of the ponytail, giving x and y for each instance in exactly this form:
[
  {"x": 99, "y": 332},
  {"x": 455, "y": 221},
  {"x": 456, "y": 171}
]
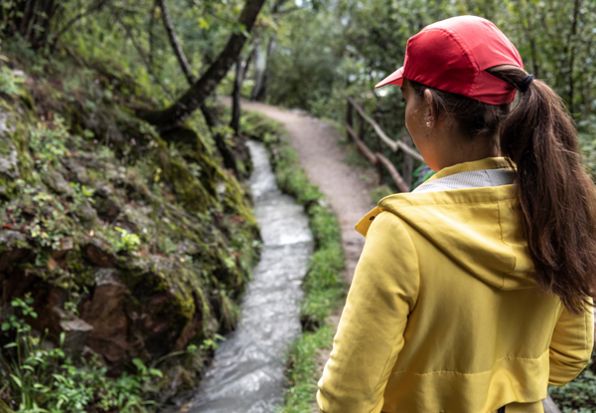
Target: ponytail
[{"x": 556, "y": 195}]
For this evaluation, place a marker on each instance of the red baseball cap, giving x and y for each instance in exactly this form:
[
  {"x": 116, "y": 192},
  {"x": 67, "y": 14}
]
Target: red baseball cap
[{"x": 452, "y": 55}]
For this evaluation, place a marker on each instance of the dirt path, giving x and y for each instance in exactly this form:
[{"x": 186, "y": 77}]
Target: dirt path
[{"x": 323, "y": 160}]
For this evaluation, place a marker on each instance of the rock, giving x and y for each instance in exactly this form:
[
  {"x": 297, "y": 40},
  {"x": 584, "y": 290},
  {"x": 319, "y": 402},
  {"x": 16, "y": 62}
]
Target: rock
[
  {"x": 57, "y": 183},
  {"x": 105, "y": 205},
  {"x": 3, "y": 119},
  {"x": 77, "y": 171},
  {"x": 9, "y": 163},
  {"x": 550, "y": 406},
  {"x": 87, "y": 214},
  {"x": 13, "y": 248},
  {"x": 99, "y": 253},
  {"x": 66, "y": 244},
  {"x": 76, "y": 332},
  {"x": 106, "y": 312}
]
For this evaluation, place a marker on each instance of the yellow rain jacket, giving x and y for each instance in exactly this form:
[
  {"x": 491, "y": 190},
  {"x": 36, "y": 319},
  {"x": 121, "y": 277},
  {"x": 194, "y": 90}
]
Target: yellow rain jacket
[{"x": 444, "y": 315}]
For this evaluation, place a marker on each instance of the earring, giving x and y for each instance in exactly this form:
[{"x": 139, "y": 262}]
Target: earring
[{"x": 428, "y": 123}]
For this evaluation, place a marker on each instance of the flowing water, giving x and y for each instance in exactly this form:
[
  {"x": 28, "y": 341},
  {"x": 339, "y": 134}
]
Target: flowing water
[{"x": 247, "y": 374}]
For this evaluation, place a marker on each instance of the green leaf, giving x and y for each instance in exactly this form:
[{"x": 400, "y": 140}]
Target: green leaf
[{"x": 17, "y": 381}]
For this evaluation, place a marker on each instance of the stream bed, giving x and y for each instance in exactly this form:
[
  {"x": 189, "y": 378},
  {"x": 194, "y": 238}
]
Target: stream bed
[{"x": 247, "y": 373}]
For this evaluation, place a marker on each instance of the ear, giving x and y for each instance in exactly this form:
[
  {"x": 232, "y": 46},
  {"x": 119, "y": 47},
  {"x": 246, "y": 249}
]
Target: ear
[{"x": 430, "y": 112}]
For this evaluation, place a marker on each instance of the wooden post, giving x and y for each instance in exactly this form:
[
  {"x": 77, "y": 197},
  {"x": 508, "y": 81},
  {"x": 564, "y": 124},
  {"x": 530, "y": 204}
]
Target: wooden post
[
  {"x": 408, "y": 164},
  {"x": 397, "y": 179},
  {"x": 361, "y": 125},
  {"x": 349, "y": 118}
]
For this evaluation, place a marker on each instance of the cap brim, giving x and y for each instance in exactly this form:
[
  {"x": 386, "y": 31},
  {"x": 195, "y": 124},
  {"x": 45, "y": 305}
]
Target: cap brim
[{"x": 395, "y": 78}]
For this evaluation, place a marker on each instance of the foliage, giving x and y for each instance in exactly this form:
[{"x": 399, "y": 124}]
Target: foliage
[
  {"x": 123, "y": 240},
  {"x": 87, "y": 190},
  {"x": 38, "y": 377},
  {"x": 308, "y": 56},
  {"x": 321, "y": 56},
  {"x": 303, "y": 367},
  {"x": 11, "y": 82}
]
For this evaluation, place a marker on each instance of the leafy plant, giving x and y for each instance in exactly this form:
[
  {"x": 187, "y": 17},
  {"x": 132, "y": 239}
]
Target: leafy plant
[
  {"x": 38, "y": 377},
  {"x": 11, "y": 81},
  {"x": 128, "y": 241},
  {"x": 47, "y": 141},
  {"x": 123, "y": 240}
]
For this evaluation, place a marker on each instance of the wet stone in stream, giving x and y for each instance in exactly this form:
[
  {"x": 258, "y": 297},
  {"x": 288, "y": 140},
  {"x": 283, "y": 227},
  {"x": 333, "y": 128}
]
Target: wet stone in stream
[{"x": 247, "y": 374}]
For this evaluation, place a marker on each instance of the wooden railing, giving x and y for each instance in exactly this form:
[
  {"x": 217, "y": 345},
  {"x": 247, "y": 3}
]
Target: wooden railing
[{"x": 402, "y": 180}]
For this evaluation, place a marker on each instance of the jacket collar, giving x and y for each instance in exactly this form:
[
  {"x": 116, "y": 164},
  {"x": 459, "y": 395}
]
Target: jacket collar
[
  {"x": 485, "y": 163},
  {"x": 496, "y": 162}
]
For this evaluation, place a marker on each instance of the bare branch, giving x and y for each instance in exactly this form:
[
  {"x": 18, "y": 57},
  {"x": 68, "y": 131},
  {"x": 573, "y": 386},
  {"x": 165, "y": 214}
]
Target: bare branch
[
  {"x": 91, "y": 9},
  {"x": 206, "y": 84},
  {"x": 182, "y": 60}
]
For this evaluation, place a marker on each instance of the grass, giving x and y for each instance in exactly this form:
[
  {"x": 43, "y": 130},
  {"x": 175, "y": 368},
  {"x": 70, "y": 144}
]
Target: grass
[
  {"x": 303, "y": 368},
  {"x": 323, "y": 286}
]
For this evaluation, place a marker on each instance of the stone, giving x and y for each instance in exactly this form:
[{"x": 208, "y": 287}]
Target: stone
[
  {"x": 77, "y": 171},
  {"x": 87, "y": 214},
  {"x": 105, "y": 205},
  {"x": 99, "y": 253},
  {"x": 13, "y": 248},
  {"x": 57, "y": 183},
  {"x": 75, "y": 332},
  {"x": 9, "y": 163},
  {"x": 550, "y": 406},
  {"x": 106, "y": 313},
  {"x": 66, "y": 244}
]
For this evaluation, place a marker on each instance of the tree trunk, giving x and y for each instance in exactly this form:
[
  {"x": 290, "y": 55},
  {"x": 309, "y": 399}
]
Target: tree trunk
[
  {"x": 259, "y": 91},
  {"x": 165, "y": 15},
  {"x": 570, "y": 51},
  {"x": 31, "y": 19},
  {"x": 226, "y": 154},
  {"x": 210, "y": 117},
  {"x": 206, "y": 84},
  {"x": 235, "y": 121}
]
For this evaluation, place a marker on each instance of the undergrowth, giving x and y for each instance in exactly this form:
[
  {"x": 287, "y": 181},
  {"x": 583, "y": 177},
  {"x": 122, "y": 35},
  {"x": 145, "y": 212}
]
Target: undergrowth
[{"x": 47, "y": 379}]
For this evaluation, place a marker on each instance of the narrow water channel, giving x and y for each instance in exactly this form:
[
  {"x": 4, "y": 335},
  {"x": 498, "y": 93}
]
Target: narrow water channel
[{"x": 247, "y": 374}]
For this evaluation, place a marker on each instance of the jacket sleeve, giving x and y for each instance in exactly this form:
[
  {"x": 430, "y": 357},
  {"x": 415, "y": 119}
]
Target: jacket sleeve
[
  {"x": 571, "y": 345},
  {"x": 370, "y": 332}
]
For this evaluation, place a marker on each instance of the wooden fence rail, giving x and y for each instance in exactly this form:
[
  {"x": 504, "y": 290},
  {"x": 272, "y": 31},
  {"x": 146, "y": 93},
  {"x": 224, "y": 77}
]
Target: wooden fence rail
[{"x": 401, "y": 180}]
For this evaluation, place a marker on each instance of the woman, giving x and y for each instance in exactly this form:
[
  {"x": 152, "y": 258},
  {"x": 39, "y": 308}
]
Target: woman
[{"x": 472, "y": 292}]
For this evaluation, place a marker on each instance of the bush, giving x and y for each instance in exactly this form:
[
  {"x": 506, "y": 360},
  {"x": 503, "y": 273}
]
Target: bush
[{"x": 38, "y": 377}]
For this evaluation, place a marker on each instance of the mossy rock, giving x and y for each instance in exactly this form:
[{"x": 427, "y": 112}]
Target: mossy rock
[{"x": 152, "y": 242}]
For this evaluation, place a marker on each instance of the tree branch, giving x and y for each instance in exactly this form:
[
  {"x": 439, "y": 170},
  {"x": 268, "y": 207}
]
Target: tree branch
[
  {"x": 165, "y": 15},
  {"x": 91, "y": 9},
  {"x": 206, "y": 84}
]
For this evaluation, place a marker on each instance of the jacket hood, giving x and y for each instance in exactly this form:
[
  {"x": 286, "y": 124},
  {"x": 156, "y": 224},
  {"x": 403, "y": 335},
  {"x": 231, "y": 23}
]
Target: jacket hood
[{"x": 478, "y": 228}]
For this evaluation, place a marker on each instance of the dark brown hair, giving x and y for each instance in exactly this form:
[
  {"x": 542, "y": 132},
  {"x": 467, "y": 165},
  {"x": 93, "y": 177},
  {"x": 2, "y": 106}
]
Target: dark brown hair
[{"x": 557, "y": 197}]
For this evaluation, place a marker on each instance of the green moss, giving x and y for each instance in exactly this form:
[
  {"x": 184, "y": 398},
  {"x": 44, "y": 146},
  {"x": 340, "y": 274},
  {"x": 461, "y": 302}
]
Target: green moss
[
  {"x": 170, "y": 222},
  {"x": 186, "y": 187}
]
